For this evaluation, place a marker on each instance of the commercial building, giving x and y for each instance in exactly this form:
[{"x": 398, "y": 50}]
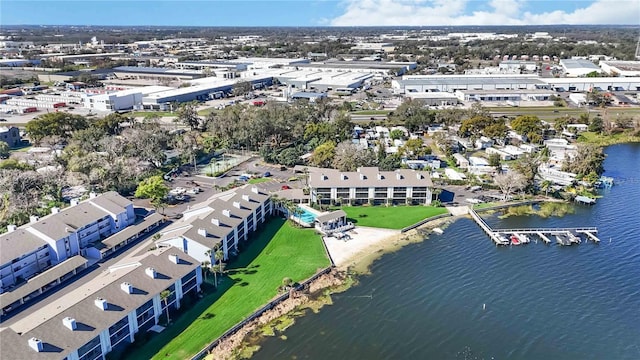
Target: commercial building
[
  {"x": 123, "y": 99},
  {"x": 599, "y": 83},
  {"x": 621, "y": 68},
  {"x": 370, "y": 185},
  {"x": 451, "y": 83},
  {"x": 10, "y": 135},
  {"x": 437, "y": 98},
  {"x": 516, "y": 66},
  {"x": 105, "y": 313},
  {"x": 222, "y": 222},
  {"x": 34, "y": 102},
  {"x": 514, "y": 96},
  {"x": 376, "y": 67},
  {"x": 76, "y": 230},
  {"x": 155, "y": 74},
  {"x": 578, "y": 67}
]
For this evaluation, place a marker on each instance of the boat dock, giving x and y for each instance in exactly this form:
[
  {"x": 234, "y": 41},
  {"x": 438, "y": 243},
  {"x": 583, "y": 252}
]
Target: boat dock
[{"x": 502, "y": 236}]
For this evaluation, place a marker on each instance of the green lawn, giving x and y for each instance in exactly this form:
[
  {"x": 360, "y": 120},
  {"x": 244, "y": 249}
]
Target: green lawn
[
  {"x": 207, "y": 111},
  {"x": 151, "y": 113},
  {"x": 604, "y": 140},
  {"x": 280, "y": 250},
  {"x": 258, "y": 180},
  {"x": 371, "y": 112},
  {"x": 392, "y": 217}
]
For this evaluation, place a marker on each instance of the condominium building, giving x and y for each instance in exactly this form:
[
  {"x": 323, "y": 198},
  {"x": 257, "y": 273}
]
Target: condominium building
[
  {"x": 64, "y": 234},
  {"x": 105, "y": 313},
  {"x": 223, "y": 221},
  {"x": 370, "y": 185}
]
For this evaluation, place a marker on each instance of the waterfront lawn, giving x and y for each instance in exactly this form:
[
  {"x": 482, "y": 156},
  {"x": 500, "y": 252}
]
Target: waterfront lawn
[
  {"x": 279, "y": 250},
  {"x": 604, "y": 140},
  {"x": 390, "y": 217}
]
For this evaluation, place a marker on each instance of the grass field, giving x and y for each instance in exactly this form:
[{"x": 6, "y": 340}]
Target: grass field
[
  {"x": 280, "y": 250},
  {"x": 258, "y": 180},
  {"x": 604, "y": 140},
  {"x": 152, "y": 113},
  {"x": 392, "y": 217},
  {"x": 207, "y": 111},
  {"x": 371, "y": 112}
]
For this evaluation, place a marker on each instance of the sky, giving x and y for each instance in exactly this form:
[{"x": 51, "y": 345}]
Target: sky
[{"x": 319, "y": 12}]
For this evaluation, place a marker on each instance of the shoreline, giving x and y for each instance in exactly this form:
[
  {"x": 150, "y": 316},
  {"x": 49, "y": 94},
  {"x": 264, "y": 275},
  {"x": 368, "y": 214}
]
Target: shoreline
[{"x": 273, "y": 322}]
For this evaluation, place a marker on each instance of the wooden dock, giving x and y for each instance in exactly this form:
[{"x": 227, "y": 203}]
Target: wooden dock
[{"x": 501, "y": 236}]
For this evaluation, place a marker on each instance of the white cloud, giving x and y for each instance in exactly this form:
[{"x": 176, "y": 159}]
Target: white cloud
[{"x": 502, "y": 12}]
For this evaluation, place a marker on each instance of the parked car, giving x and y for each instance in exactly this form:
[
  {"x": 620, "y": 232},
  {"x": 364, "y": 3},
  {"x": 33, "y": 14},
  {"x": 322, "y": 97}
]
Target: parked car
[
  {"x": 266, "y": 174},
  {"x": 286, "y": 187},
  {"x": 243, "y": 178}
]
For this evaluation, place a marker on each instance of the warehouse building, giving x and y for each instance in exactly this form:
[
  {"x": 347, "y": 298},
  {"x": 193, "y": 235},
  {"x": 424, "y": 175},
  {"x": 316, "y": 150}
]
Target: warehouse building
[
  {"x": 599, "y": 83},
  {"x": 621, "y": 68},
  {"x": 155, "y": 74},
  {"x": 434, "y": 98},
  {"x": 376, "y": 67},
  {"x": 122, "y": 100},
  {"x": 578, "y": 67},
  {"x": 504, "y": 95},
  {"x": 451, "y": 83}
]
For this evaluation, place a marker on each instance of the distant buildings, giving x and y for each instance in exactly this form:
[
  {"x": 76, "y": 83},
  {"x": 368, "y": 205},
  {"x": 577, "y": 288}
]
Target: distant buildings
[
  {"x": 578, "y": 67},
  {"x": 621, "y": 68}
]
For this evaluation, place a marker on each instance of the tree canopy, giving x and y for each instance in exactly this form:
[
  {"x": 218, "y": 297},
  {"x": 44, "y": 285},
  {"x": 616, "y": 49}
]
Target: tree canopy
[{"x": 59, "y": 126}]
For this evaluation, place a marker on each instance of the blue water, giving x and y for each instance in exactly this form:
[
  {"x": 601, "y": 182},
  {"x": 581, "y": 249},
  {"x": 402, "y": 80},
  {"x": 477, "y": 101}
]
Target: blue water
[
  {"x": 542, "y": 301},
  {"x": 307, "y": 216}
]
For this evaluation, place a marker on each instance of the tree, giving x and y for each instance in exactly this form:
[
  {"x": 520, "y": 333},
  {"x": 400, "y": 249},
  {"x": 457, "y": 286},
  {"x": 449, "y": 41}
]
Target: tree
[
  {"x": 242, "y": 88},
  {"x": 528, "y": 125},
  {"x": 527, "y": 166},
  {"x": 546, "y": 186},
  {"x": 164, "y": 297},
  {"x": 206, "y": 266},
  {"x": 58, "y": 125},
  {"x": 494, "y": 160},
  {"x": 396, "y": 134},
  {"x": 188, "y": 115},
  {"x": 414, "y": 149},
  {"x": 110, "y": 124},
  {"x": 349, "y": 157},
  {"x": 509, "y": 182},
  {"x": 596, "y": 125},
  {"x": 153, "y": 188},
  {"x": 323, "y": 155},
  {"x": 589, "y": 158},
  {"x": 4, "y": 150}
]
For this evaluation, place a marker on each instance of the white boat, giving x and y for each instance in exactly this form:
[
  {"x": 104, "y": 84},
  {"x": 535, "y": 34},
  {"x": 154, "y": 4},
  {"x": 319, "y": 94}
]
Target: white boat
[
  {"x": 523, "y": 238},
  {"x": 438, "y": 231},
  {"x": 573, "y": 238}
]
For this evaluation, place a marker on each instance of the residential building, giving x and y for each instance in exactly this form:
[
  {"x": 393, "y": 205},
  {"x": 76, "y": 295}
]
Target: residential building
[
  {"x": 104, "y": 313},
  {"x": 10, "y": 135},
  {"x": 221, "y": 222},
  {"x": 555, "y": 175},
  {"x": 461, "y": 161},
  {"x": 370, "y": 185},
  {"x": 76, "y": 230}
]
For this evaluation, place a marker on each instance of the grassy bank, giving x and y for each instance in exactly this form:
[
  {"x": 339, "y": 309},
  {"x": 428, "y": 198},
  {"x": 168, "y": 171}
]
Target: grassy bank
[
  {"x": 252, "y": 280},
  {"x": 606, "y": 140},
  {"x": 391, "y": 217},
  {"x": 545, "y": 210}
]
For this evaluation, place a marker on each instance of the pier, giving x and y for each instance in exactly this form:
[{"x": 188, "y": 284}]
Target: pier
[{"x": 501, "y": 236}]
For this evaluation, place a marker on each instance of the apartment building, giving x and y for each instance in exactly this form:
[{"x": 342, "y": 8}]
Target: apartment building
[
  {"x": 370, "y": 185},
  {"x": 75, "y": 231},
  {"x": 223, "y": 221},
  {"x": 105, "y": 313}
]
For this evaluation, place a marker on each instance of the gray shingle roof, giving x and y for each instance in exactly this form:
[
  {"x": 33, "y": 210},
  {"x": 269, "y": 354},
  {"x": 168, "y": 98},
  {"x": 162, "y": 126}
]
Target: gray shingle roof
[
  {"x": 368, "y": 177},
  {"x": 17, "y": 243},
  {"x": 46, "y": 324}
]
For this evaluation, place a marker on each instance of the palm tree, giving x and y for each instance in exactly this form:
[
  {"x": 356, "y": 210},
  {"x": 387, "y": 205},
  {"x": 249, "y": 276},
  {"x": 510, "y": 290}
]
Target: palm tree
[
  {"x": 546, "y": 185},
  {"x": 164, "y": 297},
  {"x": 206, "y": 265},
  {"x": 218, "y": 267}
]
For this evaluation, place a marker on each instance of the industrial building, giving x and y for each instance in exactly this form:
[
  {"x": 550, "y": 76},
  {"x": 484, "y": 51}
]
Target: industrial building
[
  {"x": 514, "y": 95},
  {"x": 382, "y": 68},
  {"x": 434, "y": 98},
  {"x": 155, "y": 74},
  {"x": 621, "y": 68},
  {"x": 516, "y": 66},
  {"x": 266, "y": 63},
  {"x": 578, "y": 67},
  {"x": 451, "y": 83},
  {"x": 598, "y": 83},
  {"x": 122, "y": 100}
]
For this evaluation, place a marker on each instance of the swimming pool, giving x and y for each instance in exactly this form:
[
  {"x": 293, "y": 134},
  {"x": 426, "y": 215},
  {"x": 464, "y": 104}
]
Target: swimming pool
[{"x": 306, "y": 216}]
